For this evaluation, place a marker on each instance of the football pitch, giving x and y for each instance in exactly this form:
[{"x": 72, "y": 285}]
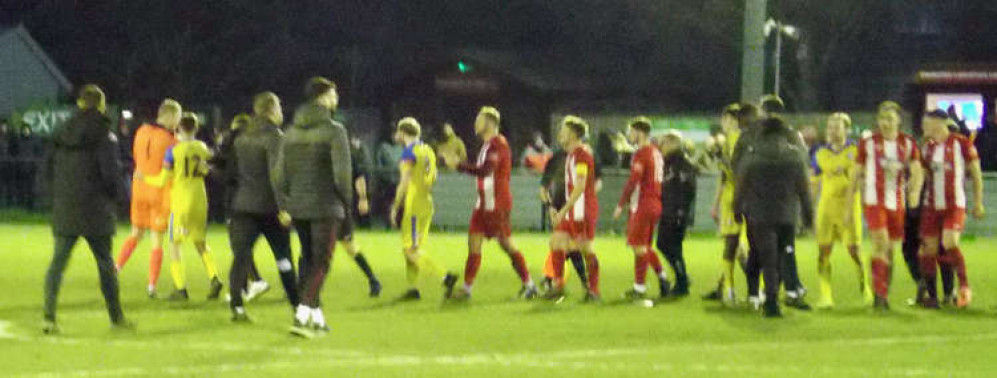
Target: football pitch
[{"x": 494, "y": 335}]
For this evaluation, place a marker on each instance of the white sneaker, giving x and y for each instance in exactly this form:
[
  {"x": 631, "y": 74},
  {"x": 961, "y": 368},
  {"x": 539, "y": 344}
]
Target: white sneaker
[
  {"x": 756, "y": 302},
  {"x": 256, "y": 290},
  {"x": 729, "y": 297}
]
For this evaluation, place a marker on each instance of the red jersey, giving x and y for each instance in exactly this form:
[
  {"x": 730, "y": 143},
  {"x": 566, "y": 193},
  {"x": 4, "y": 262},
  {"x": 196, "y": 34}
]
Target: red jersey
[
  {"x": 945, "y": 172},
  {"x": 580, "y": 162},
  {"x": 493, "y": 167},
  {"x": 643, "y": 190},
  {"x": 884, "y": 163}
]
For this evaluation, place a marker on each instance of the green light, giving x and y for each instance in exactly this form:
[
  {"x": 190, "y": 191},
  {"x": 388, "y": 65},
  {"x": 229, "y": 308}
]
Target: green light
[{"x": 463, "y": 67}]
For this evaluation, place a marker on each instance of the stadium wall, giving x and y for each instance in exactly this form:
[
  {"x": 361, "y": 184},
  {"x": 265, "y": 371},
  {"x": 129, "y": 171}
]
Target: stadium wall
[{"x": 455, "y": 197}]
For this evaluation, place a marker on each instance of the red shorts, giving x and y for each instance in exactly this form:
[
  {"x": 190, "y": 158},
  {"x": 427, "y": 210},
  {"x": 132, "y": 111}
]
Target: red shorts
[
  {"x": 640, "y": 227},
  {"x": 578, "y": 230},
  {"x": 933, "y": 222},
  {"x": 880, "y": 218},
  {"x": 492, "y": 224}
]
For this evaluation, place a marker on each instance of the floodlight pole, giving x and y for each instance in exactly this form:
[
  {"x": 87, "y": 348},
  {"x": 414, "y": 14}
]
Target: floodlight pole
[
  {"x": 753, "y": 51},
  {"x": 778, "y": 56}
]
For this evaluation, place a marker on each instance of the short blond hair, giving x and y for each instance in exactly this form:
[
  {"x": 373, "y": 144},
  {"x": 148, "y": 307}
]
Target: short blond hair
[
  {"x": 92, "y": 97},
  {"x": 410, "y": 126},
  {"x": 170, "y": 106},
  {"x": 843, "y": 117},
  {"x": 492, "y": 113},
  {"x": 577, "y": 125}
]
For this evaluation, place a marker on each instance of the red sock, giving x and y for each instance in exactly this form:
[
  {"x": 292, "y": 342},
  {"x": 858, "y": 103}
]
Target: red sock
[
  {"x": 880, "y": 277},
  {"x": 592, "y": 266},
  {"x": 471, "y": 268},
  {"x": 126, "y": 251},
  {"x": 652, "y": 259},
  {"x": 640, "y": 268},
  {"x": 558, "y": 261},
  {"x": 959, "y": 263},
  {"x": 155, "y": 263},
  {"x": 519, "y": 264}
]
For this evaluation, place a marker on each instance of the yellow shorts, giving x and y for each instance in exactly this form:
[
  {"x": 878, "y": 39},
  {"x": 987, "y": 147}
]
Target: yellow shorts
[
  {"x": 728, "y": 224},
  {"x": 189, "y": 226},
  {"x": 831, "y": 225},
  {"x": 415, "y": 228}
]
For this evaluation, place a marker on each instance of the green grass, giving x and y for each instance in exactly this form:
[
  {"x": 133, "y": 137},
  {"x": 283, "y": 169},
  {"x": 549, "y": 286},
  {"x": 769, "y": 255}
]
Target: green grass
[{"x": 492, "y": 336}]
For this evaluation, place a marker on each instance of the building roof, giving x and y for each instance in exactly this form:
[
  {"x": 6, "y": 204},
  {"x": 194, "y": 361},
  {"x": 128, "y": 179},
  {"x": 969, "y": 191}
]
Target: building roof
[{"x": 20, "y": 33}]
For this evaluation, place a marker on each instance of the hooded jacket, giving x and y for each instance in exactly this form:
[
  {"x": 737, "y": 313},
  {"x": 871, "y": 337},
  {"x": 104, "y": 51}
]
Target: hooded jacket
[
  {"x": 772, "y": 186},
  {"x": 83, "y": 170},
  {"x": 313, "y": 174},
  {"x": 253, "y": 156}
]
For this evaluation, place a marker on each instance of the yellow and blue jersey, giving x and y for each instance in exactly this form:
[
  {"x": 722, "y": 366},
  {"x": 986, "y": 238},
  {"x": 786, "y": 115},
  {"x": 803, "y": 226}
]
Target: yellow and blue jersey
[
  {"x": 728, "y": 223},
  {"x": 189, "y": 164},
  {"x": 186, "y": 165},
  {"x": 420, "y": 161},
  {"x": 833, "y": 169}
]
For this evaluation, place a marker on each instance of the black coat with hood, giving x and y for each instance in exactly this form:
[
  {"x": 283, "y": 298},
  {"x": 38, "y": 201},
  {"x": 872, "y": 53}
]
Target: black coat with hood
[
  {"x": 83, "y": 170},
  {"x": 313, "y": 175}
]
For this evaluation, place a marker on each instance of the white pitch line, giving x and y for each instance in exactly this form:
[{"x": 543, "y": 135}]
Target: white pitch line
[
  {"x": 498, "y": 360},
  {"x": 5, "y": 332},
  {"x": 565, "y": 359},
  {"x": 563, "y": 354}
]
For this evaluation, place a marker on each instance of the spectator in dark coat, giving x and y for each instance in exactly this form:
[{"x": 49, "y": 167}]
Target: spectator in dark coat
[
  {"x": 83, "y": 169},
  {"x": 772, "y": 192},
  {"x": 313, "y": 184},
  {"x": 678, "y": 195}
]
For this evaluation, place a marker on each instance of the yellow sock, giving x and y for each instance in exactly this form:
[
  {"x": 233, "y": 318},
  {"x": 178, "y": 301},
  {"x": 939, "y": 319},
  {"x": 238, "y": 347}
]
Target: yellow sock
[
  {"x": 729, "y": 273},
  {"x": 178, "y": 273},
  {"x": 428, "y": 265},
  {"x": 411, "y": 273},
  {"x": 824, "y": 271},
  {"x": 209, "y": 263}
]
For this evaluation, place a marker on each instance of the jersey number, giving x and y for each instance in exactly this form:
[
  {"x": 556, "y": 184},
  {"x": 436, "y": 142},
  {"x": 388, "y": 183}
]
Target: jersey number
[{"x": 192, "y": 166}]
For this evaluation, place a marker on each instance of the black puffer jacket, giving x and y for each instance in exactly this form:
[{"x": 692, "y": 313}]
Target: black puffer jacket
[
  {"x": 313, "y": 175},
  {"x": 678, "y": 190},
  {"x": 252, "y": 157},
  {"x": 83, "y": 170},
  {"x": 772, "y": 184}
]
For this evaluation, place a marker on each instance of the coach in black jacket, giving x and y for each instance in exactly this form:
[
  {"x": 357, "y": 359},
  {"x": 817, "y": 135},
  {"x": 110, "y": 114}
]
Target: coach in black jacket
[
  {"x": 253, "y": 207},
  {"x": 83, "y": 170},
  {"x": 678, "y": 194},
  {"x": 772, "y": 191},
  {"x": 313, "y": 178}
]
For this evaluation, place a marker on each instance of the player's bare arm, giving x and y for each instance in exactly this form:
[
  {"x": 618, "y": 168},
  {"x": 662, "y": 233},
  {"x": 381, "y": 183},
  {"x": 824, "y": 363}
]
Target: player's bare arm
[
  {"x": 405, "y": 174},
  {"x": 857, "y": 181},
  {"x": 715, "y": 209},
  {"x": 977, "y": 175},
  {"x": 635, "y": 174},
  {"x": 360, "y": 185},
  {"x": 915, "y": 185}
]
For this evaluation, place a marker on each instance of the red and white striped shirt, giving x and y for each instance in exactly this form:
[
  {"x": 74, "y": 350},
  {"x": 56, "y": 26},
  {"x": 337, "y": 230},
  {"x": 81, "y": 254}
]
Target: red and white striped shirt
[
  {"x": 884, "y": 163},
  {"x": 493, "y": 169},
  {"x": 945, "y": 164},
  {"x": 643, "y": 189},
  {"x": 580, "y": 162}
]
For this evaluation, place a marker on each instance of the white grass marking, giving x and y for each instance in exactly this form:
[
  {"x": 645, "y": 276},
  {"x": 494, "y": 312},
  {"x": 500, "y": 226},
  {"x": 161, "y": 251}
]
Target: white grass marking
[
  {"x": 535, "y": 361},
  {"x": 586, "y": 359},
  {"x": 5, "y": 332}
]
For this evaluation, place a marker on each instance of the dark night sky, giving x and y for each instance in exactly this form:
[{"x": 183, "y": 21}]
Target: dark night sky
[{"x": 222, "y": 51}]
